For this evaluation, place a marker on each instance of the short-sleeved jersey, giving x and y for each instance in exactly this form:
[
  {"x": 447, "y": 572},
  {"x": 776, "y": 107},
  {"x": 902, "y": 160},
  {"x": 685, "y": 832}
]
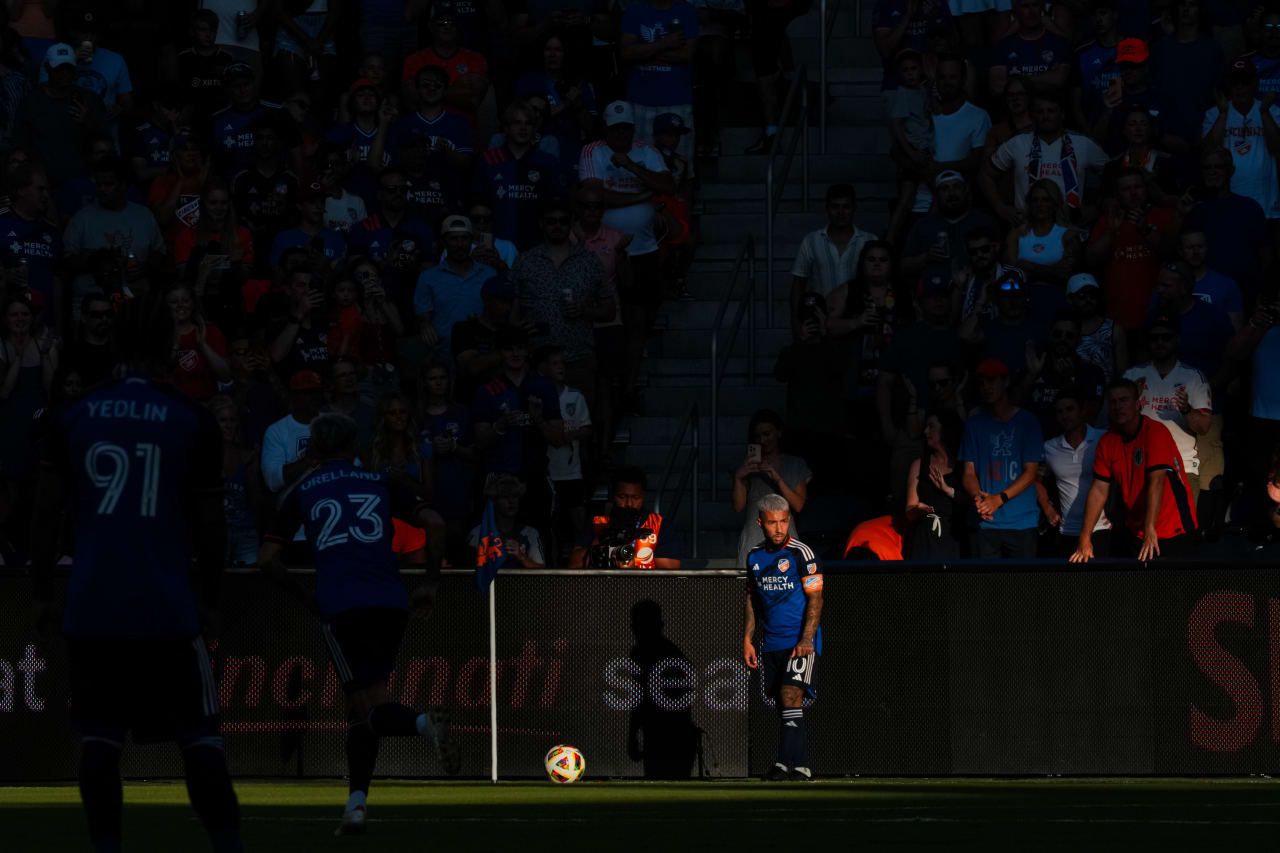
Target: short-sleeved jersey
[
  {"x": 136, "y": 455},
  {"x": 449, "y": 126},
  {"x": 778, "y": 580},
  {"x": 1125, "y": 464},
  {"x": 1029, "y": 57},
  {"x": 151, "y": 143},
  {"x": 516, "y": 186},
  {"x": 347, "y": 512},
  {"x": 231, "y": 135},
  {"x": 1094, "y": 69},
  {"x": 38, "y": 242},
  {"x": 521, "y": 449},
  {"x": 358, "y": 142}
]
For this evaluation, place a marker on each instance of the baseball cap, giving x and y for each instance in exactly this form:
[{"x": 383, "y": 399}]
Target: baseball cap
[
  {"x": 619, "y": 112},
  {"x": 310, "y": 192},
  {"x": 1010, "y": 282},
  {"x": 83, "y": 20},
  {"x": 497, "y": 287},
  {"x": 237, "y": 69},
  {"x": 306, "y": 380},
  {"x": 947, "y": 177},
  {"x": 936, "y": 277},
  {"x": 60, "y": 54},
  {"x": 362, "y": 83},
  {"x": 1162, "y": 321},
  {"x": 992, "y": 367},
  {"x": 456, "y": 224},
  {"x": 1242, "y": 67},
  {"x": 1080, "y": 281},
  {"x": 670, "y": 121},
  {"x": 1132, "y": 50}
]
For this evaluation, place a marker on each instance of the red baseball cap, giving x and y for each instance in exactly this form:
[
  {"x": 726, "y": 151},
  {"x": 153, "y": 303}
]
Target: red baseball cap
[
  {"x": 1132, "y": 50},
  {"x": 306, "y": 380},
  {"x": 992, "y": 367}
]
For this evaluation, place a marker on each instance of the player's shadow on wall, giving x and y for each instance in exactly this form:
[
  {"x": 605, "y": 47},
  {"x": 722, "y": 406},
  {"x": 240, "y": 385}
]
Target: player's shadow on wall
[{"x": 661, "y": 733}]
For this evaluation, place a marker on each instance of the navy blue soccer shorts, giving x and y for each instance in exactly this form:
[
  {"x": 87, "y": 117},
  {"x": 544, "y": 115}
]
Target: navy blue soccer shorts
[
  {"x": 363, "y": 643},
  {"x": 779, "y": 669}
]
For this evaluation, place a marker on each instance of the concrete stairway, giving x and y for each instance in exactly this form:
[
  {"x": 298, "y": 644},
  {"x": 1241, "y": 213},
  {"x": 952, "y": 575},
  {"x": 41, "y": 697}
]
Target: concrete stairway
[{"x": 731, "y": 201}]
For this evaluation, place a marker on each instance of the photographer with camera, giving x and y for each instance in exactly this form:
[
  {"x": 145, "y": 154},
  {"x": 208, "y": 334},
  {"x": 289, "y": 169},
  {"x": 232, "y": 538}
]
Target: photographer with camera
[{"x": 628, "y": 537}]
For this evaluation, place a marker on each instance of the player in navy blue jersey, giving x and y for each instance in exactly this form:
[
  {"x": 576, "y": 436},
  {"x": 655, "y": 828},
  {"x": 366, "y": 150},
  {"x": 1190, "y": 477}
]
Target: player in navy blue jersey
[
  {"x": 140, "y": 465},
  {"x": 784, "y": 580},
  {"x": 349, "y": 514}
]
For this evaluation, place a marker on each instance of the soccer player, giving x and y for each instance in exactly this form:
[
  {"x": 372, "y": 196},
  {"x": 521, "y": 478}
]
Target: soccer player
[
  {"x": 784, "y": 580},
  {"x": 143, "y": 467},
  {"x": 349, "y": 517}
]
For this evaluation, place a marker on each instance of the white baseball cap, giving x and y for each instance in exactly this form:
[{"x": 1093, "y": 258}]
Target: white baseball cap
[
  {"x": 60, "y": 54},
  {"x": 456, "y": 224},
  {"x": 619, "y": 112},
  {"x": 1080, "y": 281}
]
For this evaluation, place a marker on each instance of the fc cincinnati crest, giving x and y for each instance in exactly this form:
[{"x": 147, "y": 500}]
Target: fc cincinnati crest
[
  {"x": 783, "y": 565},
  {"x": 1137, "y": 456},
  {"x": 1047, "y": 56},
  {"x": 534, "y": 176}
]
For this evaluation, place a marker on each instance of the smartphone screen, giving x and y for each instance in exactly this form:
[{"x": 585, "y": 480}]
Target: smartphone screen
[{"x": 753, "y": 453}]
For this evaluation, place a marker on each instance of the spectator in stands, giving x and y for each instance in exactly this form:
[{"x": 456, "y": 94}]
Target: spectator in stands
[
  {"x": 1068, "y": 470},
  {"x": 199, "y": 348},
  {"x": 32, "y": 257},
  {"x": 953, "y": 217},
  {"x": 1133, "y": 93},
  {"x": 930, "y": 339},
  {"x": 241, "y": 485},
  {"x": 395, "y": 239},
  {"x": 94, "y": 352},
  {"x": 299, "y": 340},
  {"x": 1102, "y": 340},
  {"x": 658, "y": 44},
  {"x": 1266, "y": 59},
  {"x": 115, "y": 223},
  {"x": 521, "y": 543},
  {"x": 766, "y": 470},
  {"x": 628, "y": 174},
  {"x": 266, "y": 193},
  {"x": 898, "y": 24},
  {"x": 1175, "y": 394},
  {"x": 1056, "y": 365},
  {"x": 227, "y": 246},
  {"x": 1235, "y": 225},
  {"x": 345, "y": 398},
  {"x": 1188, "y": 63},
  {"x": 1001, "y": 451},
  {"x": 1259, "y": 342},
  {"x": 28, "y": 362},
  {"x": 770, "y": 56},
  {"x": 1032, "y": 52},
  {"x": 1204, "y": 330},
  {"x": 305, "y": 46},
  {"x": 517, "y": 417},
  {"x": 98, "y": 70},
  {"x": 829, "y": 257},
  {"x": 515, "y": 178},
  {"x": 326, "y": 247},
  {"x": 230, "y": 127},
  {"x": 198, "y": 70},
  {"x": 571, "y": 98},
  {"x": 959, "y": 128},
  {"x": 174, "y": 195},
  {"x": 394, "y": 449},
  {"x": 380, "y": 324},
  {"x": 284, "y": 446},
  {"x": 1211, "y": 286},
  {"x": 1049, "y": 152},
  {"x": 447, "y": 133},
  {"x": 486, "y": 247},
  {"x": 342, "y": 208},
  {"x": 1015, "y": 116},
  {"x": 237, "y": 35},
  {"x": 1044, "y": 247},
  {"x": 1094, "y": 66},
  {"x": 1126, "y": 246},
  {"x": 257, "y": 388},
  {"x": 1139, "y": 151},
  {"x": 719, "y": 22},
  {"x": 1139, "y": 456},
  {"x": 911, "y": 128},
  {"x": 57, "y": 117},
  {"x": 1006, "y": 335},
  {"x": 564, "y": 462},
  {"x": 976, "y": 290},
  {"x": 475, "y": 352},
  {"x": 562, "y": 290},
  {"x": 1246, "y": 126},
  {"x": 449, "y": 292},
  {"x": 935, "y": 498},
  {"x": 537, "y": 106},
  {"x": 466, "y": 71},
  {"x": 369, "y": 126},
  {"x": 15, "y": 86},
  {"x": 447, "y": 448},
  {"x": 813, "y": 368}
]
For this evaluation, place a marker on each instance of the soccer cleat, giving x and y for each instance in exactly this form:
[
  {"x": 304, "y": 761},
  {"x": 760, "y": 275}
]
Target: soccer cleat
[
  {"x": 447, "y": 747},
  {"x": 778, "y": 773},
  {"x": 352, "y": 822},
  {"x": 800, "y": 774}
]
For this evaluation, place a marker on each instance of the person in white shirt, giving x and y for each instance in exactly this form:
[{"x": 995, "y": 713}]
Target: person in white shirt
[
  {"x": 564, "y": 462},
  {"x": 342, "y": 209},
  {"x": 1175, "y": 394},
  {"x": 284, "y": 445},
  {"x": 1069, "y": 458},
  {"x": 1046, "y": 151},
  {"x": 959, "y": 128},
  {"x": 1246, "y": 126}
]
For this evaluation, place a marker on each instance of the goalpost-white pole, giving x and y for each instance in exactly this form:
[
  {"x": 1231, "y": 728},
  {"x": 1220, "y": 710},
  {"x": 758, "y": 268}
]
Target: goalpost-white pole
[{"x": 493, "y": 687}]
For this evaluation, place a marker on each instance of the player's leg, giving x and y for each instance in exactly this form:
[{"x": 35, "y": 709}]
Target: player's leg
[
  {"x": 101, "y": 707},
  {"x": 797, "y": 683},
  {"x": 212, "y": 795},
  {"x": 771, "y": 671},
  {"x": 100, "y": 791}
]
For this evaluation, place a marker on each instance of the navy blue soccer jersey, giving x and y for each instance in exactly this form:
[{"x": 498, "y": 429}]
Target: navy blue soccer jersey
[
  {"x": 38, "y": 242},
  {"x": 153, "y": 144},
  {"x": 379, "y": 239},
  {"x": 137, "y": 455},
  {"x": 515, "y": 187},
  {"x": 347, "y": 514},
  {"x": 450, "y": 127},
  {"x": 232, "y": 136},
  {"x": 777, "y": 580},
  {"x": 358, "y": 142}
]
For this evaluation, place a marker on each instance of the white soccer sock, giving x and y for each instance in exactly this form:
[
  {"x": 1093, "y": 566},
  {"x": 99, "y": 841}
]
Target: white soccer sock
[
  {"x": 356, "y": 800},
  {"x": 424, "y": 726}
]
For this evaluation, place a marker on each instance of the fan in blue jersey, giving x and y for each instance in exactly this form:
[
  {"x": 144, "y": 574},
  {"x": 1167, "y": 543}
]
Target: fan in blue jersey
[
  {"x": 784, "y": 597},
  {"x": 449, "y": 132},
  {"x": 368, "y": 123},
  {"x": 140, "y": 466},
  {"x": 516, "y": 178},
  {"x": 231, "y": 128},
  {"x": 349, "y": 514}
]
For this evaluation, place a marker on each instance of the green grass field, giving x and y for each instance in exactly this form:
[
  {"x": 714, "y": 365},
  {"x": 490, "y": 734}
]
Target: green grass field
[{"x": 858, "y": 814}]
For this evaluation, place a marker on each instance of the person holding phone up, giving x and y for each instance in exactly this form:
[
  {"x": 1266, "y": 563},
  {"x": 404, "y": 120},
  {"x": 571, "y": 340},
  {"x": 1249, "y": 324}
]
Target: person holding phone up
[{"x": 767, "y": 471}]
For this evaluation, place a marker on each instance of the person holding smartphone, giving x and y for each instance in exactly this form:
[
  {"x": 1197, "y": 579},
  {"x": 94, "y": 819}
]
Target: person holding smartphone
[
  {"x": 767, "y": 471},
  {"x": 57, "y": 118}
]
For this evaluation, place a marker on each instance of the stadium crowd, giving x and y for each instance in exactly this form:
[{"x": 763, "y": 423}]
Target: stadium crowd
[{"x": 455, "y": 221}]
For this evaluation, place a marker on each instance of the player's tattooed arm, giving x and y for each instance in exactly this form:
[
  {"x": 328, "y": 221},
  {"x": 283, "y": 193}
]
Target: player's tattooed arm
[
  {"x": 749, "y": 632},
  {"x": 812, "y": 613}
]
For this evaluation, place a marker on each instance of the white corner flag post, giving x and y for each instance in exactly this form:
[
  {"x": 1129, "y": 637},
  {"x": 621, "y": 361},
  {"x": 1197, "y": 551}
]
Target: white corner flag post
[{"x": 493, "y": 687}]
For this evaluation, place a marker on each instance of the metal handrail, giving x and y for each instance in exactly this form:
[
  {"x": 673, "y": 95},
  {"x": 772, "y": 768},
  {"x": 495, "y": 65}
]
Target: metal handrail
[
  {"x": 720, "y": 361},
  {"x": 774, "y": 185},
  {"x": 690, "y": 420},
  {"x": 827, "y": 28}
]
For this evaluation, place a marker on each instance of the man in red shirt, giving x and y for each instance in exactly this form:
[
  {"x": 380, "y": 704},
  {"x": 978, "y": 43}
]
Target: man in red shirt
[
  {"x": 1139, "y": 457},
  {"x": 1126, "y": 246},
  {"x": 468, "y": 71}
]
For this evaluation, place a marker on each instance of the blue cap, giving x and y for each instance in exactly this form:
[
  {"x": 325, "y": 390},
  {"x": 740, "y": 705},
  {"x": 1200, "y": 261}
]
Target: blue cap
[
  {"x": 670, "y": 121},
  {"x": 498, "y": 288}
]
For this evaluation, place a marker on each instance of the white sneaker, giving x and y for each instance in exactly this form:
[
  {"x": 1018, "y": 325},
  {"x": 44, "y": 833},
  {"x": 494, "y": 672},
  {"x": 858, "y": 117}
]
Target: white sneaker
[
  {"x": 447, "y": 748},
  {"x": 352, "y": 822}
]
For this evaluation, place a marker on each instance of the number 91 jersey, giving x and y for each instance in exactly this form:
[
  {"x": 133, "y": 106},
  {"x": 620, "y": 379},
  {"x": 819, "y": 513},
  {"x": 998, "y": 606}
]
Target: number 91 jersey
[
  {"x": 347, "y": 514},
  {"x": 135, "y": 455}
]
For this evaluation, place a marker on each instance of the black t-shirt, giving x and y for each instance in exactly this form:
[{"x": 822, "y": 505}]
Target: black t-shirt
[
  {"x": 200, "y": 80},
  {"x": 94, "y": 362},
  {"x": 470, "y": 334}
]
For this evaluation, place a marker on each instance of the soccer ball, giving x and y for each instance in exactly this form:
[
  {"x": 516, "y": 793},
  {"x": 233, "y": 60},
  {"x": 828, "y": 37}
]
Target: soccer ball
[{"x": 564, "y": 764}]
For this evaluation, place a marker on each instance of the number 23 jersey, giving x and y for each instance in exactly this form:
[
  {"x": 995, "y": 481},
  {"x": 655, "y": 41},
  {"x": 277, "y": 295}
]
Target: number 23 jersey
[
  {"x": 347, "y": 512},
  {"x": 136, "y": 455},
  {"x": 776, "y": 581}
]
